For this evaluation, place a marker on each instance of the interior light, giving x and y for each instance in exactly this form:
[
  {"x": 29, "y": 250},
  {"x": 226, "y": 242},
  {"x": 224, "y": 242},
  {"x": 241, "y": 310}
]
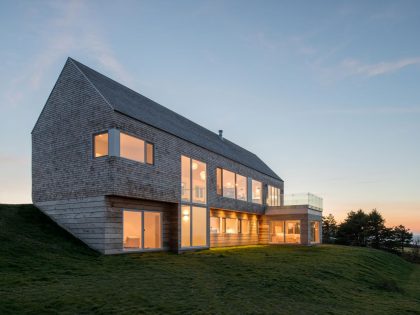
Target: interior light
[
  {"x": 194, "y": 166},
  {"x": 203, "y": 175}
]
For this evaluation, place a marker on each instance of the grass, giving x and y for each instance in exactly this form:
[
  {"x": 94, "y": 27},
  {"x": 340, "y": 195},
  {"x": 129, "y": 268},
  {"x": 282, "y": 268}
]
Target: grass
[{"x": 43, "y": 270}]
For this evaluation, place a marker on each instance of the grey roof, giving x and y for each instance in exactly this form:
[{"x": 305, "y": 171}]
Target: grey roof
[{"x": 139, "y": 107}]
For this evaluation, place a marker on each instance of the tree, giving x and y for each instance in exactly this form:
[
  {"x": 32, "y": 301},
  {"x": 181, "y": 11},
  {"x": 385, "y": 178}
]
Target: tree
[
  {"x": 353, "y": 230},
  {"x": 329, "y": 229},
  {"x": 374, "y": 226},
  {"x": 403, "y": 237}
]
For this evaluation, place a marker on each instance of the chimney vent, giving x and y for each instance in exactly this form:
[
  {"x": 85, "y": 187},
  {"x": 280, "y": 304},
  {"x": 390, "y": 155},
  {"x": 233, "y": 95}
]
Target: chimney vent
[{"x": 221, "y": 134}]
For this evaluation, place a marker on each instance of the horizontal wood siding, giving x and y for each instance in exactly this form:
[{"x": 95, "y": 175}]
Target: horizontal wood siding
[
  {"x": 222, "y": 240},
  {"x": 114, "y": 229}
]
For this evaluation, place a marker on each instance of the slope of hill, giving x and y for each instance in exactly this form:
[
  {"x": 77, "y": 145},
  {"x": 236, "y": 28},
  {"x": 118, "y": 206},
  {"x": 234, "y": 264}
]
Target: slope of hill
[{"x": 44, "y": 270}]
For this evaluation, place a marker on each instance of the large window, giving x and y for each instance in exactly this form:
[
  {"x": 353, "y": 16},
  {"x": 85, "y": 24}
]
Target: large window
[
  {"x": 193, "y": 180},
  {"x": 231, "y": 185},
  {"x": 215, "y": 225},
  {"x": 142, "y": 230},
  {"x": 285, "y": 231},
  {"x": 231, "y": 226},
  {"x": 256, "y": 192},
  {"x": 315, "y": 232},
  {"x": 193, "y": 226},
  {"x": 273, "y": 196},
  {"x": 228, "y": 184},
  {"x": 100, "y": 145},
  {"x": 136, "y": 149}
]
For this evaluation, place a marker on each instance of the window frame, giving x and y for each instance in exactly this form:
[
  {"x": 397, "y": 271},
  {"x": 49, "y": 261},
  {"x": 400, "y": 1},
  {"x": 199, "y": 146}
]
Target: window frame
[
  {"x": 220, "y": 225},
  {"x": 94, "y": 144},
  {"x": 219, "y": 178}
]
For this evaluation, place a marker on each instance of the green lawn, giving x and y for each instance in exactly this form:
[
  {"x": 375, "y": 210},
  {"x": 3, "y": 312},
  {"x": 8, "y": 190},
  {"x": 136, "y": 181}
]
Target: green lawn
[{"x": 43, "y": 270}]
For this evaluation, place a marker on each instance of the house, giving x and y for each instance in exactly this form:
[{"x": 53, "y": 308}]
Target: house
[{"x": 123, "y": 173}]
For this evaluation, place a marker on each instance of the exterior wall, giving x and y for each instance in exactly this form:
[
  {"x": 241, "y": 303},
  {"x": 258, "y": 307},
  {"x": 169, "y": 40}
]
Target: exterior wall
[
  {"x": 114, "y": 227},
  {"x": 222, "y": 239},
  {"x": 161, "y": 181},
  {"x": 62, "y": 163},
  {"x": 85, "y": 218}
]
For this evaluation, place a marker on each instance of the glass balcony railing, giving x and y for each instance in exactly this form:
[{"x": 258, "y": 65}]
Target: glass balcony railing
[{"x": 304, "y": 199}]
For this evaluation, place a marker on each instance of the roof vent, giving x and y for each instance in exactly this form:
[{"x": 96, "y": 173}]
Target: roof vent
[{"x": 221, "y": 134}]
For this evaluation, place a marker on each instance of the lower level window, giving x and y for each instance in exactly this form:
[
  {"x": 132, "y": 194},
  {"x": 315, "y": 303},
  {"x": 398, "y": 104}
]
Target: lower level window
[
  {"x": 285, "y": 231},
  {"x": 214, "y": 225},
  {"x": 193, "y": 226},
  {"x": 245, "y": 226},
  {"x": 142, "y": 230},
  {"x": 231, "y": 226},
  {"x": 315, "y": 231}
]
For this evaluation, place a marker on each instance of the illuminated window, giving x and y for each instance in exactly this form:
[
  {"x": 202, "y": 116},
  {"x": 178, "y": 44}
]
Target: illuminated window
[
  {"x": 219, "y": 189},
  {"x": 131, "y": 147},
  {"x": 245, "y": 226},
  {"x": 256, "y": 192},
  {"x": 293, "y": 231},
  {"x": 241, "y": 187},
  {"x": 315, "y": 232},
  {"x": 199, "y": 180},
  {"x": 215, "y": 225},
  {"x": 142, "y": 229},
  {"x": 100, "y": 146},
  {"x": 285, "y": 231},
  {"x": 231, "y": 226},
  {"x": 228, "y": 184},
  {"x": 193, "y": 226},
  {"x": 273, "y": 196},
  {"x": 150, "y": 154},
  {"x": 185, "y": 178}
]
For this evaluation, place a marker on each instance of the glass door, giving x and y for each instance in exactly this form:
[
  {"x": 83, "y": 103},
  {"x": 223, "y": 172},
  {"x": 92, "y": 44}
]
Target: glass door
[
  {"x": 152, "y": 230},
  {"x": 142, "y": 230},
  {"x": 277, "y": 232}
]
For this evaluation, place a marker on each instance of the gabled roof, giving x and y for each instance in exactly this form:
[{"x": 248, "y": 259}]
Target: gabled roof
[{"x": 139, "y": 107}]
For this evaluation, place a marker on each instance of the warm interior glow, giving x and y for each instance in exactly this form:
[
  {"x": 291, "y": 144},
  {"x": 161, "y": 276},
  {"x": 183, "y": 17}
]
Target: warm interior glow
[
  {"x": 214, "y": 225},
  {"x": 245, "y": 226},
  {"x": 241, "y": 187},
  {"x": 273, "y": 196},
  {"x": 185, "y": 227},
  {"x": 228, "y": 184},
  {"x": 199, "y": 182},
  {"x": 231, "y": 226},
  {"x": 199, "y": 226},
  {"x": 256, "y": 191},
  {"x": 315, "y": 232},
  {"x": 150, "y": 159},
  {"x": 132, "y": 229},
  {"x": 185, "y": 178},
  {"x": 131, "y": 147},
  {"x": 101, "y": 145},
  {"x": 152, "y": 230}
]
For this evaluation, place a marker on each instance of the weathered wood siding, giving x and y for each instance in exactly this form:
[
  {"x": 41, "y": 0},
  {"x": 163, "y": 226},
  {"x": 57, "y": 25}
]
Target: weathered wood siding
[{"x": 222, "y": 239}]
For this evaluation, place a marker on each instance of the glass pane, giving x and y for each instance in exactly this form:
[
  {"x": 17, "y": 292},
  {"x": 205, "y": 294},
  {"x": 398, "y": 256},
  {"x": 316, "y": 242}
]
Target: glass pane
[
  {"x": 199, "y": 226},
  {"x": 256, "y": 192},
  {"x": 245, "y": 226},
  {"x": 101, "y": 145},
  {"x": 152, "y": 230},
  {"x": 185, "y": 178},
  {"x": 185, "y": 226},
  {"x": 228, "y": 184},
  {"x": 219, "y": 181},
  {"x": 315, "y": 231},
  {"x": 131, "y": 147},
  {"x": 131, "y": 229},
  {"x": 150, "y": 159},
  {"x": 277, "y": 232},
  {"x": 292, "y": 231},
  {"x": 199, "y": 179},
  {"x": 231, "y": 226},
  {"x": 241, "y": 189},
  {"x": 214, "y": 225}
]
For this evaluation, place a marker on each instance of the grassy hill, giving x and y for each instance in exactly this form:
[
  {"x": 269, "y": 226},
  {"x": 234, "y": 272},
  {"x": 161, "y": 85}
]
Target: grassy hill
[{"x": 43, "y": 270}]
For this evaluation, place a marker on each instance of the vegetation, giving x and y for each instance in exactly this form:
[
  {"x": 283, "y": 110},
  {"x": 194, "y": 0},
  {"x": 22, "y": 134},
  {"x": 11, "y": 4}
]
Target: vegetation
[
  {"x": 43, "y": 270},
  {"x": 368, "y": 229}
]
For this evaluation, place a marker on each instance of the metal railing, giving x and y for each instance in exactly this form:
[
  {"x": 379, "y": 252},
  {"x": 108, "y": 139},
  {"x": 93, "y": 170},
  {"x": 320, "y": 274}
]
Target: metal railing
[{"x": 303, "y": 199}]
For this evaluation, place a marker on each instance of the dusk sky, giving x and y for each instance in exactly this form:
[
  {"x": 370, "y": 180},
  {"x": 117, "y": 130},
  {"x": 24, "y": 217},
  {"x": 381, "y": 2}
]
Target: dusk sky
[{"x": 327, "y": 93}]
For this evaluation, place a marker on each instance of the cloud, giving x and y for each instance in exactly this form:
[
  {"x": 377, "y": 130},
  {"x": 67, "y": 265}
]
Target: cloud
[{"x": 355, "y": 67}]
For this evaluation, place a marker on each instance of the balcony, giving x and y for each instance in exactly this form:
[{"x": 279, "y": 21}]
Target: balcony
[{"x": 304, "y": 199}]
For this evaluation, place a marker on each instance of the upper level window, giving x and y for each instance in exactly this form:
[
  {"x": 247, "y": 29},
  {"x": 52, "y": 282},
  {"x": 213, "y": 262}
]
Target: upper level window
[
  {"x": 100, "y": 147},
  {"x": 231, "y": 185},
  {"x": 193, "y": 180},
  {"x": 134, "y": 149},
  {"x": 273, "y": 196},
  {"x": 256, "y": 191}
]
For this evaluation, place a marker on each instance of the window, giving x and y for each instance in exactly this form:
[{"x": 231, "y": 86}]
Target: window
[
  {"x": 150, "y": 154},
  {"x": 292, "y": 231},
  {"x": 219, "y": 181},
  {"x": 285, "y": 231},
  {"x": 241, "y": 187},
  {"x": 256, "y": 192},
  {"x": 131, "y": 148},
  {"x": 215, "y": 225},
  {"x": 199, "y": 179},
  {"x": 193, "y": 226},
  {"x": 315, "y": 231},
  {"x": 100, "y": 146},
  {"x": 142, "y": 230},
  {"x": 231, "y": 226},
  {"x": 228, "y": 184},
  {"x": 185, "y": 178},
  {"x": 245, "y": 226},
  {"x": 273, "y": 196}
]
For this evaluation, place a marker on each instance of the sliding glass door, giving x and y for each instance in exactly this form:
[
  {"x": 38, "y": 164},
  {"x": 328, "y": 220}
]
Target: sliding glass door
[
  {"x": 142, "y": 230},
  {"x": 285, "y": 232}
]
